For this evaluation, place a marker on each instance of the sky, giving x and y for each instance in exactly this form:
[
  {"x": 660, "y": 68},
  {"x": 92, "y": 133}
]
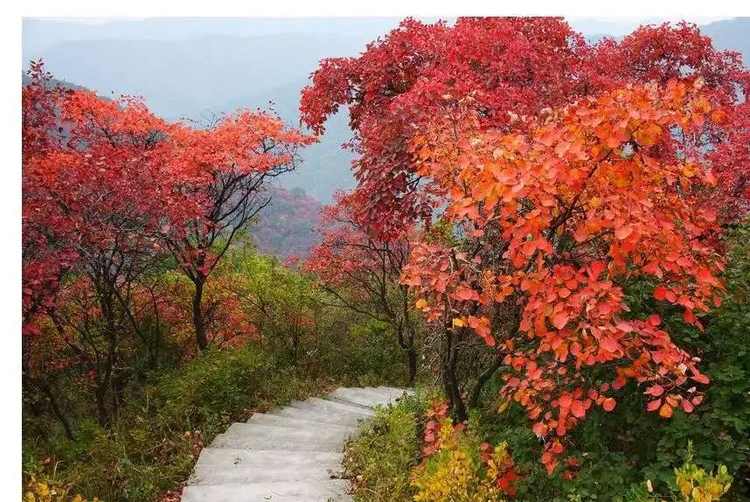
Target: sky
[{"x": 58, "y": 30}]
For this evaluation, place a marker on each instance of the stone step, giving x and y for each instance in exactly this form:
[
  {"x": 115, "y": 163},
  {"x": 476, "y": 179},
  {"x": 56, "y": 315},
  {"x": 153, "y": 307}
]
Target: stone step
[
  {"x": 359, "y": 396},
  {"x": 333, "y": 407},
  {"x": 387, "y": 395},
  {"x": 294, "y": 423},
  {"x": 318, "y": 432},
  {"x": 229, "y": 457},
  {"x": 207, "y": 474},
  {"x": 394, "y": 392},
  {"x": 254, "y": 442},
  {"x": 276, "y": 491},
  {"x": 292, "y": 454},
  {"x": 345, "y": 419}
]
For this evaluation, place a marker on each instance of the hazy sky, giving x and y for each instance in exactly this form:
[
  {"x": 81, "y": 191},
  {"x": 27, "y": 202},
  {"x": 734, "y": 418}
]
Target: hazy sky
[{"x": 56, "y": 30}]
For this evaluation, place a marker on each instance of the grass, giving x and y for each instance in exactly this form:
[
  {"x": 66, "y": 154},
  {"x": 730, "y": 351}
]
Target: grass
[
  {"x": 379, "y": 460},
  {"x": 152, "y": 447}
]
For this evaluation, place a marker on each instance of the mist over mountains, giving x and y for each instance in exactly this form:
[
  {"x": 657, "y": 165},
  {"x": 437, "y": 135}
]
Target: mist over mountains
[{"x": 198, "y": 68}]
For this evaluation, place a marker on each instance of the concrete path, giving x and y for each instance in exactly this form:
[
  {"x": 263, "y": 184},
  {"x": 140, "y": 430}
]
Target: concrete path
[{"x": 292, "y": 454}]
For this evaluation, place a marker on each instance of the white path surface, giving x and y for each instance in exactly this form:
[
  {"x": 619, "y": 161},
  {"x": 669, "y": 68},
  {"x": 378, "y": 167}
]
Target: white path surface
[{"x": 292, "y": 454}]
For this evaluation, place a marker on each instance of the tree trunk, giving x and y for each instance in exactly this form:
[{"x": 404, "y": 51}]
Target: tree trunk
[
  {"x": 101, "y": 406},
  {"x": 483, "y": 378},
  {"x": 57, "y": 411},
  {"x": 407, "y": 345},
  {"x": 199, "y": 322},
  {"x": 450, "y": 380},
  {"x": 411, "y": 355}
]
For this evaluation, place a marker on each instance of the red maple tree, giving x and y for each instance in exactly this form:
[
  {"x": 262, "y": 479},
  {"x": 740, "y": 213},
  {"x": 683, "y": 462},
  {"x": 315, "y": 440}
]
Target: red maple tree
[
  {"x": 561, "y": 218},
  {"x": 220, "y": 173}
]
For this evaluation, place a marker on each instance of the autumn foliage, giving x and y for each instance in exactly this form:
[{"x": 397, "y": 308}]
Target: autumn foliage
[
  {"x": 508, "y": 67},
  {"x": 560, "y": 220},
  {"x": 563, "y": 172},
  {"x": 110, "y": 193}
]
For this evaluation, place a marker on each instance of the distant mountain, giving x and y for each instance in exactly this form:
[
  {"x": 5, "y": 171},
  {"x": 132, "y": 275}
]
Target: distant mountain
[
  {"x": 288, "y": 226},
  {"x": 731, "y": 34}
]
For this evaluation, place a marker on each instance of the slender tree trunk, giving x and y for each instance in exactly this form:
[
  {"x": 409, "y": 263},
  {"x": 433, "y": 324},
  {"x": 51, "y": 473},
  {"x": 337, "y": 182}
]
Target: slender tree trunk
[
  {"x": 199, "y": 322},
  {"x": 407, "y": 345},
  {"x": 101, "y": 406},
  {"x": 411, "y": 355},
  {"x": 483, "y": 378},
  {"x": 56, "y": 410},
  {"x": 450, "y": 380}
]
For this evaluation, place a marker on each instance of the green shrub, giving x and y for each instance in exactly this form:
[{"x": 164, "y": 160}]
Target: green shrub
[
  {"x": 153, "y": 445},
  {"x": 380, "y": 459}
]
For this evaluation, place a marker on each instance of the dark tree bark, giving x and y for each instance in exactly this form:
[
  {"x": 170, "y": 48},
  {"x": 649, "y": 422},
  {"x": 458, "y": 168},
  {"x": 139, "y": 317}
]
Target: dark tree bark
[
  {"x": 450, "y": 379},
  {"x": 199, "y": 320}
]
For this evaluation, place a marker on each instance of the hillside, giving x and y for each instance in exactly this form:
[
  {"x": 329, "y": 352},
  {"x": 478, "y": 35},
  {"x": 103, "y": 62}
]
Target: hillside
[{"x": 732, "y": 34}]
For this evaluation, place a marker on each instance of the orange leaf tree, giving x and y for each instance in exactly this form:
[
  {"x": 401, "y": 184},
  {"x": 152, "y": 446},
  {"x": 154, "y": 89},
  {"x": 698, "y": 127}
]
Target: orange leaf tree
[
  {"x": 221, "y": 172},
  {"x": 551, "y": 224}
]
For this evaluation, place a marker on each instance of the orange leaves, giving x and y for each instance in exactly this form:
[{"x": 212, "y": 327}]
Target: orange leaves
[
  {"x": 655, "y": 391},
  {"x": 585, "y": 207},
  {"x": 662, "y": 293},
  {"x": 648, "y": 135},
  {"x": 481, "y": 325},
  {"x": 609, "y": 344},
  {"x": 560, "y": 319},
  {"x": 464, "y": 293},
  {"x": 665, "y": 411},
  {"x": 701, "y": 378},
  {"x": 623, "y": 232},
  {"x": 609, "y": 404},
  {"x": 578, "y": 409}
]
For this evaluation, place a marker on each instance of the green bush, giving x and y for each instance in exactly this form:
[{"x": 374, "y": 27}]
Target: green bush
[
  {"x": 380, "y": 459},
  {"x": 154, "y": 443}
]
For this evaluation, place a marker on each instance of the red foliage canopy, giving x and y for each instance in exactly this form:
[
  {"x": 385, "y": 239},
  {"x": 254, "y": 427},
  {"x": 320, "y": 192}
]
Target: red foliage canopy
[
  {"x": 561, "y": 217},
  {"x": 509, "y": 67}
]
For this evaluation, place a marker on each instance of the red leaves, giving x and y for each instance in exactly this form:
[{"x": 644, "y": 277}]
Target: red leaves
[
  {"x": 623, "y": 232},
  {"x": 578, "y": 409},
  {"x": 655, "y": 391},
  {"x": 653, "y": 405},
  {"x": 701, "y": 378},
  {"x": 481, "y": 326},
  {"x": 648, "y": 135},
  {"x": 560, "y": 201},
  {"x": 465, "y": 294},
  {"x": 560, "y": 319}
]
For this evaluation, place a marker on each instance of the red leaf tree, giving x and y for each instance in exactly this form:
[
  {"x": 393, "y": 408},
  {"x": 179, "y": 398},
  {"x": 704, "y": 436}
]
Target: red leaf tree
[
  {"x": 362, "y": 272},
  {"x": 512, "y": 125},
  {"x": 221, "y": 172},
  {"x": 508, "y": 67},
  {"x": 561, "y": 218},
  {"x": 92, "y": 201}
]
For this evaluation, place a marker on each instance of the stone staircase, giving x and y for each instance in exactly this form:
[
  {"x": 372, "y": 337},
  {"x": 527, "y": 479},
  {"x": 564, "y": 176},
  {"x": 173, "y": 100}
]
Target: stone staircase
[{"x": 292, "y": 454}]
